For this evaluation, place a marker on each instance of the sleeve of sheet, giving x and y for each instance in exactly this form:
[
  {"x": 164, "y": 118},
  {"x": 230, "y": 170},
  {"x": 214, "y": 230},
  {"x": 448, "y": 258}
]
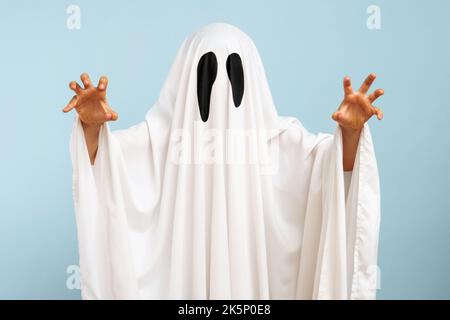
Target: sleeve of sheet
[
  {"x": 340, "y": 240},
  {"x": 347, "y": 180},
  {"x": 112, "y": 198}
]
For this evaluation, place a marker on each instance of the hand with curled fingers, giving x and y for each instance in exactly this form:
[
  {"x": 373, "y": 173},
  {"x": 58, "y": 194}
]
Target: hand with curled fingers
[
  {"x": 356, "y": 108},
  {"x": 90, "y": 102}
]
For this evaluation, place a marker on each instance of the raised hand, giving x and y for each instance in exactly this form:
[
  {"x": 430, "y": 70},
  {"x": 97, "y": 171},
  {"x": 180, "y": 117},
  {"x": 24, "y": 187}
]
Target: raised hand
[
  {"x": 90, "y": 101},
  {"x": 357, "y": 108}
]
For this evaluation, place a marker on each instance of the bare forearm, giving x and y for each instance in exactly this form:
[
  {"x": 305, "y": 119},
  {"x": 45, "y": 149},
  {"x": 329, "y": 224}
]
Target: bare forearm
[
  {"x": 91, "y": 133},
  {"x": 350, "y": 140}
]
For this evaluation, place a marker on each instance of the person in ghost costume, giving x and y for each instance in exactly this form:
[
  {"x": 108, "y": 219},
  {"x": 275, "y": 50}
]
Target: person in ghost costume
[{"x": 215, "y": 196}]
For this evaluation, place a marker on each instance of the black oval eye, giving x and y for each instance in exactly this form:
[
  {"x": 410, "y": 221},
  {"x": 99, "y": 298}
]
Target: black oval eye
[
  {"x": 236, "y": 76},
  {"x": 206, "y": 75}
]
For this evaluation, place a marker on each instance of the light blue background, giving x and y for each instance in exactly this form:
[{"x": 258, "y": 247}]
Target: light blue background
[{"x": 307, "y": 47}]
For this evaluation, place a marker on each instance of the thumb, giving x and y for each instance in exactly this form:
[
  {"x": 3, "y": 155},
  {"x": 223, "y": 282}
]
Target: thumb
[
  {"x": 111, "y": 115},
  {"x": 115, "y": 116},
  {"x": 336, "y": 116}
]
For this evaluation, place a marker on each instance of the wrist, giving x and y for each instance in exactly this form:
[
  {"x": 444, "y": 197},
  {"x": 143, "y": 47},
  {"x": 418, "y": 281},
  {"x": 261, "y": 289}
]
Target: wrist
[
  {"x": 351, "y": 131},
  {"x": 90, "y": 126}
]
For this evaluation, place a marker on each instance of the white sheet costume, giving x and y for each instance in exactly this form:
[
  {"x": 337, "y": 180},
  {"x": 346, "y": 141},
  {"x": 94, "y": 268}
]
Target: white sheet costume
[{"x": 244, "y": 205}]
